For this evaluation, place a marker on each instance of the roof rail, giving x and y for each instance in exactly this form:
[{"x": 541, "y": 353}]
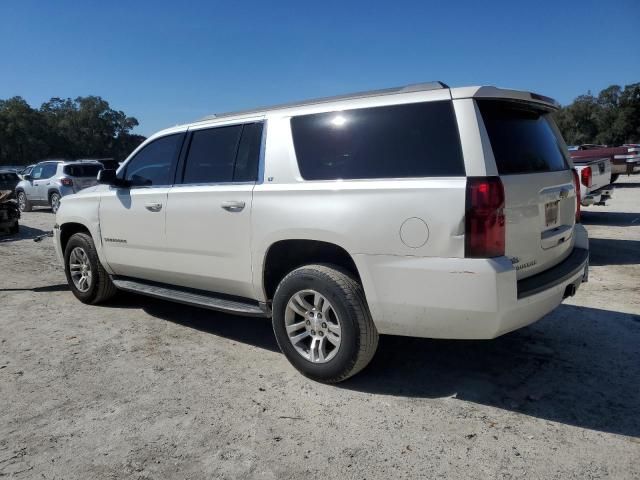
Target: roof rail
[{"x": 414, "y": 87}]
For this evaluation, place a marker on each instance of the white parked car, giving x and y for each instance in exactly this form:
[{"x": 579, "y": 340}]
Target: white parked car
[
  {"x": 47, "y": 182},
  {"x": 423, "y": 211}
]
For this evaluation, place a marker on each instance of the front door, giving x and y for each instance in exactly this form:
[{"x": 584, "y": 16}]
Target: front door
[
  {"x": 132, "y": 218},
  {"x": 37, "y": 182},
  {"x": 209, "y": 210}
]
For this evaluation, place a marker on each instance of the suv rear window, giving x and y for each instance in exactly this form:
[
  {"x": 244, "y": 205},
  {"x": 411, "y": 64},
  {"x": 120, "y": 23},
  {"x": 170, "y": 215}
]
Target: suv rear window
[
  {"x": 523, "y": 138},
  {"x": 82, "y": 170},
  {"x": 398, "y": 141}
]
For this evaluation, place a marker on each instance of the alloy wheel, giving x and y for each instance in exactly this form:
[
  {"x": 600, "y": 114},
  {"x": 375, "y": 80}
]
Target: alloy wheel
[
  {"x": 313, "y": 326},
  {"x": 55, "y": 202},
  {"x": 22, "y": 201},
  {"x": 80, "y": 269}
]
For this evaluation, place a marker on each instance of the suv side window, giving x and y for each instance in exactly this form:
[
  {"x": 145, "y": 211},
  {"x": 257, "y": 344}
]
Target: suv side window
[
  {"x": 212, "y": 155},
  {"x": 49, "y": 170},
  {"x": 397, "y": 141},
  {"x": 36, "y": 172},
  {"x": 246, "y": 168},
  {"x": 155, "y": 163}
]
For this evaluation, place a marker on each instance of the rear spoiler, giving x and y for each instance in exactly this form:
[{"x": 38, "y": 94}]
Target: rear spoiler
[{"x": 502, "y": 93}]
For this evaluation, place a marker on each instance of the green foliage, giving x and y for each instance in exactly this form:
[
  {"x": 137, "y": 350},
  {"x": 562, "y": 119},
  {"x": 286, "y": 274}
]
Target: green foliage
[
  {"x": 86, "y": 127},
  {"x": 611, "y": 118}
]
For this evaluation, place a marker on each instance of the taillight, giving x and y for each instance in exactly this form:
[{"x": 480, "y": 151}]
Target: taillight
[
  {"x": 585, "y": 176},
  {"x": 484, "y": 218},
  {"x": 67, "y": 182},
  {"x": 576, "y": 185}
]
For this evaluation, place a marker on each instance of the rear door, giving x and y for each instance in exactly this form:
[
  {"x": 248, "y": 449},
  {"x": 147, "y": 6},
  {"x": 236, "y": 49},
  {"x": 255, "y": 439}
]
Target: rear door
[
  {"x": 540, "y": 198},
  {"x": 209, "y": 210}
]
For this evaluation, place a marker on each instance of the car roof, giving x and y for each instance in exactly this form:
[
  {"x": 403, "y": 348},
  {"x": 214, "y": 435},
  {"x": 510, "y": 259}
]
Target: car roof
[
  {"x": 69, "y": 162},
  {"x": 412, "y": 90}
]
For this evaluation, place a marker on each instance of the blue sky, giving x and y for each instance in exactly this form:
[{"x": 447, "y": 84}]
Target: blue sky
[{"x": 171, "y": 62}]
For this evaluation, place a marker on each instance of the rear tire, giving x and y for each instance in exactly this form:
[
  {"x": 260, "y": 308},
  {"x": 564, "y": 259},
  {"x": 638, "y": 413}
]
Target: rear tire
[
  {"x": 80, "y": 257},
  {"x": 350, "y": 319},
  {"x": 54, "y": 202},
  {"x": 614, "y": 177},
  {"x": 24, "y": 205}
]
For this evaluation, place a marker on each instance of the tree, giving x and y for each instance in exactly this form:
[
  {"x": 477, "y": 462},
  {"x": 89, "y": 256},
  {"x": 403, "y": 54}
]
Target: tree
[
  {"x": 87, "y": 126},
  {"x": 23, "y": 132},
  {"x": 64, "y": 128},
  {"x": 611, "y": 118}
]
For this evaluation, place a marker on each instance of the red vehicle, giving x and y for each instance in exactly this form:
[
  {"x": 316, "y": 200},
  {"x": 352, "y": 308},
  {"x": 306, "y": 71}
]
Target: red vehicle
[{"x": 625, "y": 159}]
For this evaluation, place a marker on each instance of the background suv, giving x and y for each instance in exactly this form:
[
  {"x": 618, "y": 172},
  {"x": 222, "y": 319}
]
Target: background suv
[{"x": 49, "y": 181}]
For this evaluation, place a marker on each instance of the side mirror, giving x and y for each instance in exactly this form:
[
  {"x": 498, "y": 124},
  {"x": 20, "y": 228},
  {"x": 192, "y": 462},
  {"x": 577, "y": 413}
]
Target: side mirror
[
  {"x": 27, "y": 176},
  {"x": 108, "y": 177}
]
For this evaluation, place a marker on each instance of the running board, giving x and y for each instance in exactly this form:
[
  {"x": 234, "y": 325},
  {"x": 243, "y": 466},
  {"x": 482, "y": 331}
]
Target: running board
[{"x": 197, "y": 298}]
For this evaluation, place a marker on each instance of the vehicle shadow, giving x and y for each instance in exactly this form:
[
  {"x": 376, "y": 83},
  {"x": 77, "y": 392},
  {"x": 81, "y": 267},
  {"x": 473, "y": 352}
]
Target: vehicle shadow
[
  {"x": 62, "y": 287},
  {"x": 249, "y": 330},
  {"x": 608, "y": 251},
  {"x": 25, "y": 233},
  {"x": 626, "y": 185},
  {"x": 610, "y": 219},
  {"x": 578, "y": 366}
]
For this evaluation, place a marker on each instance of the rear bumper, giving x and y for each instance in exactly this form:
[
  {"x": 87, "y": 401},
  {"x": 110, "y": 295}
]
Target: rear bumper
[
  {"x": 601, "y": 195},
  {"x": 463, "y": 298}
]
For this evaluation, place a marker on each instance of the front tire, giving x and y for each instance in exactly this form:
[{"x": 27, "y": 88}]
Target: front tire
[
  {"x": 322, "y": 323},
  {"x": 23, "y": 202},
  {"x": 87, "y": 278},
  {"x": 54, "y": 202},
  {"x": 614, "y": 177}
]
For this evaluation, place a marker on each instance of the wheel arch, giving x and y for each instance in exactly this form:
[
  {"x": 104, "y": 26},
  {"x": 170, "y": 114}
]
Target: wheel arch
[
  {"x": 51, "y": 191},
  {"x": 284, "y": 256},
  {"x": 68, "y": 229}
]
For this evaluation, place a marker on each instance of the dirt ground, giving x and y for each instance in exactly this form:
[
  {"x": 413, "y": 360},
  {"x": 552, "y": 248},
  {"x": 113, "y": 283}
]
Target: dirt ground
[{"x": 147, "y": 389}]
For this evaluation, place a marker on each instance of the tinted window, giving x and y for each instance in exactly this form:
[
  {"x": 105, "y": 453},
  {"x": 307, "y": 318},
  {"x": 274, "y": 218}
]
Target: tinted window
[
  {"x": 212, "y": 154},
  {"x": 82, "y": 170},
  {"x": 246, "y": 168},
  {"x": 154, "y": 164},
  {"x": 49, "y": 170},
  {"x": 36, "y": 172},
  {"x": 523, "y": 139},
  {"x": 415, "y": 140},
  {"x": 8, "y": 177}
]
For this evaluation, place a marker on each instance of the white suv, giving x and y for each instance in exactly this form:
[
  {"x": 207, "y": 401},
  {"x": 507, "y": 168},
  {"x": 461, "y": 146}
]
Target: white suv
[
  {"x": 47, "y": 182},
  {"x": 423, "y": 211}
]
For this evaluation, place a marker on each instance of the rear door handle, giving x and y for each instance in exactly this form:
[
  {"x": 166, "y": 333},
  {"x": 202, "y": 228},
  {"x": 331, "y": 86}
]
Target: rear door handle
[
  {"x": 153, "y": 207},
  {"x": 233, "y": 205}
]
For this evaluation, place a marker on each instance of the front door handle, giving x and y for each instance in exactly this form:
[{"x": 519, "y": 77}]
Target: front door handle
[
  {"x": 153, "y": 207},
  {"x": 233, "y": 205}
]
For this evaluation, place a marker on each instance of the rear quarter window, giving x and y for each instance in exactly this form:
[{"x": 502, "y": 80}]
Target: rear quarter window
[
  {"x": 398, "y": 141},
  {"x": 523, "y": 138}
]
